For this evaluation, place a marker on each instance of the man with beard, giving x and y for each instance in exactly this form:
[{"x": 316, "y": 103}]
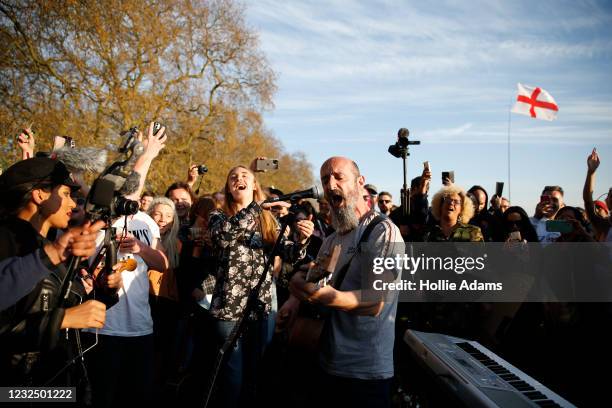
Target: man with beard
[{"x": 356, "y": 344}]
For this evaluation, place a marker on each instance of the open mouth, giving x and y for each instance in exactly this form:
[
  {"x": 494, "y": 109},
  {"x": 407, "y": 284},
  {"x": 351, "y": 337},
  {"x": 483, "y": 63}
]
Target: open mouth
[
  {"x": 336, "y": 199},
  {"x": 241, "y": 187}
]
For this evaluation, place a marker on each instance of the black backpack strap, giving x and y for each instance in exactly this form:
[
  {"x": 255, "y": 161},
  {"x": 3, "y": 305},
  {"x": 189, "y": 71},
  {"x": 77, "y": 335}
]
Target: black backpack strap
[
  {"x": 364, "y": 238},
  {"x": 366, "y": 234}
]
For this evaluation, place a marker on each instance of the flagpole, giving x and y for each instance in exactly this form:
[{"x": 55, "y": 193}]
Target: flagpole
[{"x": 509, "y": 122}]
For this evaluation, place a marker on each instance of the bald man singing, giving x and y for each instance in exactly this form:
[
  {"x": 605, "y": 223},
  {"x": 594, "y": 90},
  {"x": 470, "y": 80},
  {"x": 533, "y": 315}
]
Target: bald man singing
[{"x": 356, "y": 344}]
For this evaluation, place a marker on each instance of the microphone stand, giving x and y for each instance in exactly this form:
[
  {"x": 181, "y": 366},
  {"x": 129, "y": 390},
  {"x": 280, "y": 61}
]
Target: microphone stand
[{"x": 253, "y": 305}]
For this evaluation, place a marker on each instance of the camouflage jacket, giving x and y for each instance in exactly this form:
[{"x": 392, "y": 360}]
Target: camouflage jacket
[{"x": 460, "y": 233}]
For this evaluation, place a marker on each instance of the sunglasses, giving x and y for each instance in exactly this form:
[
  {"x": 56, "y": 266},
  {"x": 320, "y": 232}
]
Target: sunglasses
[{"x": 384, "y": 201}]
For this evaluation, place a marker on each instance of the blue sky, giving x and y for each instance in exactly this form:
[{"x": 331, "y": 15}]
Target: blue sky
[{"x": 351, "y": 73}]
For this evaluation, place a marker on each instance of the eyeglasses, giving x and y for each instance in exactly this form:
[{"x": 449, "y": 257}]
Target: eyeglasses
[
  {"x": 384, "y": 201},
  {"x": 449, "y": 200}
]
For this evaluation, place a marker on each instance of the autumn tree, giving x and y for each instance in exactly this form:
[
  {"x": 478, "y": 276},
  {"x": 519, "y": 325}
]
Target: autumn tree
[{"x": 90, "y": 69}]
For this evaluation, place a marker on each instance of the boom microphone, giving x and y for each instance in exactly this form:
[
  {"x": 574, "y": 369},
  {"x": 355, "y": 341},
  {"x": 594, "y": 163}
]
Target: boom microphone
[
  {"x": 81, "y": 159},
  {"x": 312, "y": 192}
]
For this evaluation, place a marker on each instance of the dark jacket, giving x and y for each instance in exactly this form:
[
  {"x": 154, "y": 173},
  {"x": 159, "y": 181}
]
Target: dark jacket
[
  {"x": 19, "y": 275},
  {"x": 416, "y": 221},
  {"x": 32, "y": 347}
]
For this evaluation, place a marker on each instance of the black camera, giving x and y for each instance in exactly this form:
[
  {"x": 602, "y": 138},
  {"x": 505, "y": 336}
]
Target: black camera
[
  {"x": 202, "y": 169},
  {"x": 123, "y": 206},
  {"x": 400, "y": 148},
  {"x": 106, "y": 198}
]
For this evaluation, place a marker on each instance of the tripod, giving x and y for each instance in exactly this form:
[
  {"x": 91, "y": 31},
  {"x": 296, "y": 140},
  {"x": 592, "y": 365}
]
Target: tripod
[
  {"x": 400, "y": 150},
  {"x": 253, "y": 305}
]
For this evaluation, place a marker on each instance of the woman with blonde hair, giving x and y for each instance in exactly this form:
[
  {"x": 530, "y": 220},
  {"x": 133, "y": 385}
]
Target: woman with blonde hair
[
  {"x": 243, "y": 234},
  {"x": 163, "y": 212},
  {"x": 163, "y": 291},
  {"x": 453, "y": 209}
]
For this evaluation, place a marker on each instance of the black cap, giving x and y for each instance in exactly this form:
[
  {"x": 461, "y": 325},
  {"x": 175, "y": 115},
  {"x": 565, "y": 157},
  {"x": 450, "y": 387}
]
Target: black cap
[{"x": 37, "y": 169}]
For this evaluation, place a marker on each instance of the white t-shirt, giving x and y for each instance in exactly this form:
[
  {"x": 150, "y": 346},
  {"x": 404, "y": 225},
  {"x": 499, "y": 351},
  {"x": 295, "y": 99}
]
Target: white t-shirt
[{"x": 131, "y": 316}]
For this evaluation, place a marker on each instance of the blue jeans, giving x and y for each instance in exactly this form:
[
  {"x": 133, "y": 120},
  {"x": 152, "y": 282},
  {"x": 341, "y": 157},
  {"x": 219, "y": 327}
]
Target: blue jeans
[{"x": 237, "y": 380}]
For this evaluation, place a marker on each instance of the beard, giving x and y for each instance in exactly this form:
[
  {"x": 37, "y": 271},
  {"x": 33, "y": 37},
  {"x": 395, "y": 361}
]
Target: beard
[{"x": 343, "y": 218}]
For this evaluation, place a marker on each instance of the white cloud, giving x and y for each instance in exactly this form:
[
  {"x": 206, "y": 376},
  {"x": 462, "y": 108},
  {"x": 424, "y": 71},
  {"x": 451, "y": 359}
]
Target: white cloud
[{"x": 352, "y": 72}]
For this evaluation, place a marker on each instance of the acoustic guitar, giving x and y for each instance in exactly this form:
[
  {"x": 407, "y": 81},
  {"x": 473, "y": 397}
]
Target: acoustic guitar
[{"x": 306, "y": 330}]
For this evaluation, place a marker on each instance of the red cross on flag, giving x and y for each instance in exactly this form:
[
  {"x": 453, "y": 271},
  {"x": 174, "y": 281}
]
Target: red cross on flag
[{"x": 535, "y": 102}]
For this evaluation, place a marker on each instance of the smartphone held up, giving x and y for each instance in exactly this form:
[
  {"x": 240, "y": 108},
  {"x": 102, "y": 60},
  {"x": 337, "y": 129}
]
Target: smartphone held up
[{"x": 266, "y": 164}]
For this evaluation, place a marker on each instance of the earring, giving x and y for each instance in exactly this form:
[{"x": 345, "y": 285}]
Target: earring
[{"x": 459, "y": 218}]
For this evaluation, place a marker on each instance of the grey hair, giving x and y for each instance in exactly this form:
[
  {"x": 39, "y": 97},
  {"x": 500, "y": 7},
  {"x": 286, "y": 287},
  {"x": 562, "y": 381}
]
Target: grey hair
[{"x": 170, "y": 238}]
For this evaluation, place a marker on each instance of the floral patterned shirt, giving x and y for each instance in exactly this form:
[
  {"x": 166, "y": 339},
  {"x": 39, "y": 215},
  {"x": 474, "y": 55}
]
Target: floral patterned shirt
[{"x": 241, "y": 253}]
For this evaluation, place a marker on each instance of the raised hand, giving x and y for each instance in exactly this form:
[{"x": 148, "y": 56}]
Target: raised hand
[
  {"x": 192, "y": 174},
  {"x": 26, "y": 143},
  {"x": 154, "y": 143},
  {"x": 593, "y": 161},
  {"x": 305, "y": 229}
]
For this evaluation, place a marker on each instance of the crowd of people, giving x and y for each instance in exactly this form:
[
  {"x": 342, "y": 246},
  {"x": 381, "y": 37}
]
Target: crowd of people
[{"x": 151, "y": 333}]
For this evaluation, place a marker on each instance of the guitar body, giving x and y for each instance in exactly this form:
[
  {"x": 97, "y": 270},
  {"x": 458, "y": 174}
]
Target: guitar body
[{"x": 306, "y": 330}]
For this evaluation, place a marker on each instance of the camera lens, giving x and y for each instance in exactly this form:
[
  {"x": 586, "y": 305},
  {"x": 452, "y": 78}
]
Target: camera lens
[
  {"x": 202, "y": 169},
  {"x": 123, "y": 206}
]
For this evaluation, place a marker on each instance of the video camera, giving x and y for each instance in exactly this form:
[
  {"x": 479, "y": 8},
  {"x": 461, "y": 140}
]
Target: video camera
[
  {"x": 400, "y": 148},
  {"x": 106, "y": 198}
]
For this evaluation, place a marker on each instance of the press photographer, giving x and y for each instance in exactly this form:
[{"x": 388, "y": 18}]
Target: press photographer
[{"x": 36, "y": 197}]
